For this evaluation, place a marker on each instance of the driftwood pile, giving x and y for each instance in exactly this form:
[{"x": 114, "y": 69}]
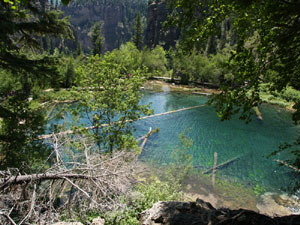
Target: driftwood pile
[{"x": 76, "y": 182}]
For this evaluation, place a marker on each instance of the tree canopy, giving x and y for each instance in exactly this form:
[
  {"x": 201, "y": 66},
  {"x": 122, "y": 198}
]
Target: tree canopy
[
  {"x": 21, "y": 29},
  {"x": 266, "y": 51},
  {"x": 138, "y": 32},
  {"x": 97, "y": 38},
  {"x": 22, "y": 62}
]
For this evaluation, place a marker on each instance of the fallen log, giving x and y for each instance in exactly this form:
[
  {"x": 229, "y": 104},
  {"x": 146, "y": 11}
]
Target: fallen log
[
  {"x": 222, "y": 165},
  {"x": 13, "y": 180},
  {"x": 258, "y": 113},
  {"x": 147, "y": 136},
  {"x": 287, "y": 165},
  {"x": 146, "y": 139},
  {"x": 45, "y": 136}
]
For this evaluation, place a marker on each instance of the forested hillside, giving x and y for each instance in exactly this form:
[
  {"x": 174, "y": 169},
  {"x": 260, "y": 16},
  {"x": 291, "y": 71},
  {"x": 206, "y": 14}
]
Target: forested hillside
[{"x": 116, "y": 16}]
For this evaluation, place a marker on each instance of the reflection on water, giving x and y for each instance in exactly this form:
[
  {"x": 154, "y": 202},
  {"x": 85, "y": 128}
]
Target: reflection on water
[{"x": 165, "y": 88}]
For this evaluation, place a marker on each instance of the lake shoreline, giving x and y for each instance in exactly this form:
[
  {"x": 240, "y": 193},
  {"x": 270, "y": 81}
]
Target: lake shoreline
[{"x": 158, "y": 86}]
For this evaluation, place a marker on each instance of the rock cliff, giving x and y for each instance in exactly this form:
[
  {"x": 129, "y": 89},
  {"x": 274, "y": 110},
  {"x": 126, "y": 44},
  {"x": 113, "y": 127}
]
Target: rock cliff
[
  {"x": 117, "y": 17},
  {"x": 155, "y": 34}
]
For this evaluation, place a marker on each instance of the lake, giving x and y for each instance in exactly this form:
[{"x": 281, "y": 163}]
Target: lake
[{"x": 250, "y": 142}]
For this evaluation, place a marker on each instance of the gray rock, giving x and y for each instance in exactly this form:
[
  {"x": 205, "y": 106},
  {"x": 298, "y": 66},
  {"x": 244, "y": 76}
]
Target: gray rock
[
  {"x": 98, "y": 221},
  {"x": 203, "y": 213}
]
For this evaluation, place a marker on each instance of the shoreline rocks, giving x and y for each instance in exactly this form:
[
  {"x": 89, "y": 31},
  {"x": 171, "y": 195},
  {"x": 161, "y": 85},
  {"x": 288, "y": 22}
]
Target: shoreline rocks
[{"x": 201, "y": 212}]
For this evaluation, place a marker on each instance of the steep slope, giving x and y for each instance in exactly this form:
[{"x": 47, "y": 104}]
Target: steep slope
[
  {"x": 117, "y": 16},
  {"x": 155, "y": 34}
]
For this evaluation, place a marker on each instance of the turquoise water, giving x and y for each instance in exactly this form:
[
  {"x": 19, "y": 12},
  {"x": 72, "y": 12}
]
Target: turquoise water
[
  {"x": 252, "y": 142},
  {"x": 229, "y": 139}
]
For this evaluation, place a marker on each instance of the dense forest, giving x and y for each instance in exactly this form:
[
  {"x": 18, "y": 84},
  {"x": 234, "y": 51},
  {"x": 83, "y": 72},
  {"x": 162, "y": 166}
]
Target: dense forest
[{"x": 91, "y": 59}]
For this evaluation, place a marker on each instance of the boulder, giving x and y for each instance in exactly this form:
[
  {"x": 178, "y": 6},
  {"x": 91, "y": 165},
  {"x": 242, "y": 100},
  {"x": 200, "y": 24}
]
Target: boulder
[
  {"x": 203, "y": 213},
  {"x": 98, "y": 221}
]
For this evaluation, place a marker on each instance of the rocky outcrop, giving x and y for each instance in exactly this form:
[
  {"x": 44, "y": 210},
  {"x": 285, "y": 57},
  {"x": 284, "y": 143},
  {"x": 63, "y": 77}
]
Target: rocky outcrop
[
  {"x": 203, "y": 213},
  {"x": 274, "y": 204},
  {"x": 155, "y": 33}
]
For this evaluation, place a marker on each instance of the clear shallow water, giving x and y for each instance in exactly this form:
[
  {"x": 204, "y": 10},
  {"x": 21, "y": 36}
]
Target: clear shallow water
[{"x": 230, "y": 139}]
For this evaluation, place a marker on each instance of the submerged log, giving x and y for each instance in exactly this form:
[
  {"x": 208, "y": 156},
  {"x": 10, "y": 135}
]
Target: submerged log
[
  {"x": 147, "y": 136},
  {"x": 214, "y": 169},
  {"x": 222, "y": 165},
  {"x": 287, "y": 165},
  {"x": 258, "y": 113}
]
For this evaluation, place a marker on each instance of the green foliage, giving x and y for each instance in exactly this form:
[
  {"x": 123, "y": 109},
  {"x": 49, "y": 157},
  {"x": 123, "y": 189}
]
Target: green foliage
[
  {"x": 143, "y": 197},
  {"x": 111, "y": 104},
  {"x": 78, "y": 49},
  {"x": 21, "y": 123},
  {"x": 259, "y": 189},
  {"x": 266, "y": 40},
  {"x": 151, "y": 63},
  {"x": 15, "y": 50},
  {"x": 155, "y": 61},
  {"x": 200, "y": 67},
  {"x": 97, "y": 38},
  {"x": 128, "y": 58},
  {"x": 290, "y": 94},
  {"x": 24, "y": 70},
  {"x": 137, "y": 38},
  {"x": 13, "y": 3}
]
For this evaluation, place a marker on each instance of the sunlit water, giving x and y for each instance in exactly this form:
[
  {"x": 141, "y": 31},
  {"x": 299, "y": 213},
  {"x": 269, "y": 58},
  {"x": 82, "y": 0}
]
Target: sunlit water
[{"x": 252, "y": 142}]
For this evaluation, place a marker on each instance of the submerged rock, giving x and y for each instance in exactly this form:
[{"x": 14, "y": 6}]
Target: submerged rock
[{"x": 200, "y": 212}]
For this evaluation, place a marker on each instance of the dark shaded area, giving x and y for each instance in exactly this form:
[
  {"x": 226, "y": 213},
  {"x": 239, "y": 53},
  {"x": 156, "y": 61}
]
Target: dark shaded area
[
  {"x": 158, "y": 12},
  {"x": 200, "y": 213}
]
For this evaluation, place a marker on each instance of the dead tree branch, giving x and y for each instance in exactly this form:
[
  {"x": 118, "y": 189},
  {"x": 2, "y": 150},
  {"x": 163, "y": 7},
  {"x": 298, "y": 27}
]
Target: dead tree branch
[{"x": 81, "y": 178}]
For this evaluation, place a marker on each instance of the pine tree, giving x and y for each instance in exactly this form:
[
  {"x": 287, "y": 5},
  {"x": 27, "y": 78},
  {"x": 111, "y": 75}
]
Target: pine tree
[
  {"x": 70, "y": 74},
  {"x": 138, "y": 32},
  {"x": 19, "y": 33},
  {"x": 22, "y": 28},
  {"x": 97, "y": 38},
  {"x": 78, "y": 49}
]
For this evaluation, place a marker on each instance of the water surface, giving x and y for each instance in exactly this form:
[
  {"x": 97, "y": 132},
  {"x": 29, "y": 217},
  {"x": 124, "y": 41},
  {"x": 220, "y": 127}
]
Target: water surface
[{"x": 251, "y": 142}]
